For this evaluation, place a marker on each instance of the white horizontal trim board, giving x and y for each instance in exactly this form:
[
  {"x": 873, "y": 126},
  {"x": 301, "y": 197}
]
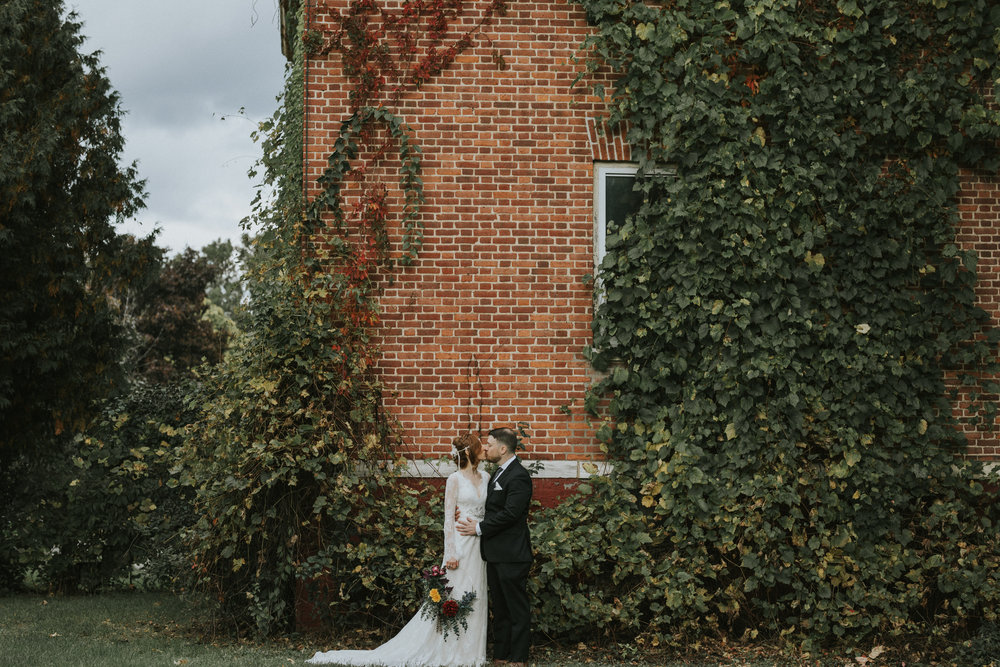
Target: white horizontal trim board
[
  {"x": 430, "y": 468},
  {"x": 442, "y": 467}
]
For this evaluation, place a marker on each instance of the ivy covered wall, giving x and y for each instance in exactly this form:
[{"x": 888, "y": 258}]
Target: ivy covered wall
[{"x": 782, "y": 317}]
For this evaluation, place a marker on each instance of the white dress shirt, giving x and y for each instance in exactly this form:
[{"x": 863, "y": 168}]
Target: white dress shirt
[{"x": 479, "y": 531}]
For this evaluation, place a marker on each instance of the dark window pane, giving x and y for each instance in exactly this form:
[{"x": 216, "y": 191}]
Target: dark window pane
[{"x": 621, "y": 200}]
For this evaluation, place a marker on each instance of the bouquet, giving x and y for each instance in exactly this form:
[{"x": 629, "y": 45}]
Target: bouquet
[{"x": 440, "y": 606}]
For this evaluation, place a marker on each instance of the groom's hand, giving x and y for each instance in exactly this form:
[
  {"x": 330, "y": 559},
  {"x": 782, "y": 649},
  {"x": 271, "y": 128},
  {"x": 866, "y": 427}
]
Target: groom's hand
[{"x": 467, "y": 527}]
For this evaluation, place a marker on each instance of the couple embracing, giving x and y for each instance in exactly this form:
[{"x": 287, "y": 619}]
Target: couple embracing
[{"x": 486, "y": 547}]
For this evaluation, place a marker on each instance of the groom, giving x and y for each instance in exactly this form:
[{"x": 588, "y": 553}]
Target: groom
[{"x": 506, "y": 547}]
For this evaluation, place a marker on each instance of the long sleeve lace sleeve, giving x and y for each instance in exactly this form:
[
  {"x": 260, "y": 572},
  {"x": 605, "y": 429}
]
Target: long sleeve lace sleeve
[{"x": 450, "y": 503}]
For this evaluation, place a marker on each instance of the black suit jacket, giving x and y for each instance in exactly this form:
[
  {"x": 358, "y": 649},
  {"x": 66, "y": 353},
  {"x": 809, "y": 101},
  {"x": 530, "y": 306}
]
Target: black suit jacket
[{"x": 505, "y": 536}]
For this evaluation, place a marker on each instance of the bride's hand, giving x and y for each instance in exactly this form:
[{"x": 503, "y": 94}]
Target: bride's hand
[{"x": 452, "y": 564}]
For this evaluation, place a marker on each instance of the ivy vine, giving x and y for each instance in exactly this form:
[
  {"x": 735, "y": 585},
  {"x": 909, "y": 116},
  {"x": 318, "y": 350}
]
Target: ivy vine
[
  {"x": 390, "y": 51},
  {"x": 387, "y": 52}
]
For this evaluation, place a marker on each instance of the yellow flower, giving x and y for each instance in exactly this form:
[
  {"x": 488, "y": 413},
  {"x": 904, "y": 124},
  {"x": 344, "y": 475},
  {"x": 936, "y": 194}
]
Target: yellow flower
[{"x": 435, "y": 595}]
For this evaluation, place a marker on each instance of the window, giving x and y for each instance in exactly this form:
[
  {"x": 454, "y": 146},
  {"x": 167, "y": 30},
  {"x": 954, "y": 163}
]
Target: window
[{"x": 615, "y": 200}]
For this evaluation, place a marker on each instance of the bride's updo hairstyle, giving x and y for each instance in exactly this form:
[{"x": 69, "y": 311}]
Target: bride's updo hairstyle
[{"x": 468, "y": 449}]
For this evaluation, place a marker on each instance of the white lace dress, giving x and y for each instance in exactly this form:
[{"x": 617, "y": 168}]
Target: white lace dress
[{"x": 420, "y": 643}]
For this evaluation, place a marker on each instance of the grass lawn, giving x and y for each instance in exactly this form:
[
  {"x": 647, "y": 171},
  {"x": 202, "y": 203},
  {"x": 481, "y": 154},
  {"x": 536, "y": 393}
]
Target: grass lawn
[
  {"x": 118, "y": 629},
  {"x": 138, "y": 629},
  {"x": 126, "y": 629}
]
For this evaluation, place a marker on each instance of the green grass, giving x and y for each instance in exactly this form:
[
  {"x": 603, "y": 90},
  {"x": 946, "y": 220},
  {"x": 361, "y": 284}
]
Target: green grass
[
  {"x": 126, "y": 629},
  {"x": 118, "y": 630},
  {"x": 139, "y": 629}
]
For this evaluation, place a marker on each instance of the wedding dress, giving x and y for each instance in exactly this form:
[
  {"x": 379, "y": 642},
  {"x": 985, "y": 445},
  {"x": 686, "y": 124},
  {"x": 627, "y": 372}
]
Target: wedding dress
[{"x": 420, "y": 643}]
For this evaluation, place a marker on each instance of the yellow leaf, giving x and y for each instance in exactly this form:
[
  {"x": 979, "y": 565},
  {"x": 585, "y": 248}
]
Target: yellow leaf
[
  {"x": 815, "y": 260},
  {"x": 645, "y": 31}
]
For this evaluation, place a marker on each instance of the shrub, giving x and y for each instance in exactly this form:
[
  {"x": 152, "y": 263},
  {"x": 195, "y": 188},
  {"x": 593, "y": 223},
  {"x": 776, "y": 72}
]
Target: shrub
[
  {"x": 274, "y": 459},
  {"x": 103, "y": 502}
]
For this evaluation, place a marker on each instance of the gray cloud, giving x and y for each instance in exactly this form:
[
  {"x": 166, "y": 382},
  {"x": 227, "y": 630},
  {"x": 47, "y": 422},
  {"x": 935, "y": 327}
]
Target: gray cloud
[{"x": 184, "y": 69}]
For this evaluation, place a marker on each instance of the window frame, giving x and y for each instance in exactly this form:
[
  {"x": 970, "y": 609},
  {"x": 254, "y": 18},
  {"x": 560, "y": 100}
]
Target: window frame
[{"x": 601, "y": 171}]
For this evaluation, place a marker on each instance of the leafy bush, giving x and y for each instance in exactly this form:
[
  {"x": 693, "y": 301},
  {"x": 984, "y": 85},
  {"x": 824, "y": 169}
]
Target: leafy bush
[
  {"x": 33, "y": 489},
  {"x": 983, "y": 649},
  {"x": 103, "y": 502},
  {"x": 273, "y": 459},
  {"x": 591, "y": 555},
  {"x": 124, "y": 501},
  {"x": 373, "y": 580}
]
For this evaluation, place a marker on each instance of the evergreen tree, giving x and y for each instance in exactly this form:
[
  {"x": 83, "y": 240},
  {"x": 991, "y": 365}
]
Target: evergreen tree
[{"x": 62, "y": 189}]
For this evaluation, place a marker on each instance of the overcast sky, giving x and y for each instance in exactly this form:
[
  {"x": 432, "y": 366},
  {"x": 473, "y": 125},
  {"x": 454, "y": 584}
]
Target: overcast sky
[{"x": 184, "y": 69}]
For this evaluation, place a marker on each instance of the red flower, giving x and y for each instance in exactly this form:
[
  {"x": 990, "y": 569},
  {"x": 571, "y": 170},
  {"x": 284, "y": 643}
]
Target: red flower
[{"x": 449, "y": 608}]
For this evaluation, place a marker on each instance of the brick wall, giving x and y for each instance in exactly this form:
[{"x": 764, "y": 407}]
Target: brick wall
[
  {"x": 979, "y": 230},
  {"x": 489, "y": 324}
]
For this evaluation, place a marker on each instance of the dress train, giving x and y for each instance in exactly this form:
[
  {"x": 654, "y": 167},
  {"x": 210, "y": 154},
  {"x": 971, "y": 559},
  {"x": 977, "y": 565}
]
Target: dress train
[{"x": 419, "y": 643}]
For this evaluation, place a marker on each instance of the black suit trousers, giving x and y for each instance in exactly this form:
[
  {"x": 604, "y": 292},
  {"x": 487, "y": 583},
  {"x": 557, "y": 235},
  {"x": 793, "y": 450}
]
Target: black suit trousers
[{"x": 508, "y": 586}]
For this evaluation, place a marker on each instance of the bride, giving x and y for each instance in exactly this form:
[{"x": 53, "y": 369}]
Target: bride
[{"x": 420, "y": 643}]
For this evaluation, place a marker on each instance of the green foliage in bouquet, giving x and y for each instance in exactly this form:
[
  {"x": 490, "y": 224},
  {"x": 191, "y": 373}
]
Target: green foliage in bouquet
[
  {"x": 778, "y": 324},
  {"x": 439, "y": 605}
]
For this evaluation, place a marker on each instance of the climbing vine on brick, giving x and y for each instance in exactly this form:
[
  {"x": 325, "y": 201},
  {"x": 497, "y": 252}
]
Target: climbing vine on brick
[
  {"x": 778, "y": 321},
  {"x": 389, "y": 51},
  {"x": 386, "y": 52}
]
